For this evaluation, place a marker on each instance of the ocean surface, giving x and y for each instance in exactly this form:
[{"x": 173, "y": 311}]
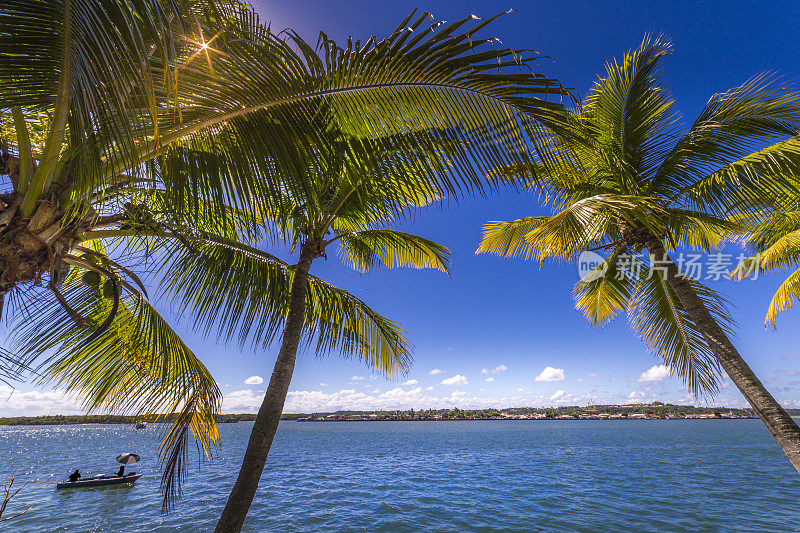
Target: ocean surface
[{"x": 649, "y": 475}]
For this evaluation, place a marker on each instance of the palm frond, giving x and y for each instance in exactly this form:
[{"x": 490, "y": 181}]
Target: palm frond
[
  {"x": 441, "y": 82},
  {"x": 393, "y": 249},
  {"x": 697, "y": 230},
  {"x": 254, "y": 305},
  {"x": 730, "y": 128},
  {"x": 628, "y": 115},
  {"x": 785, "y": 297},
  {"x": 509, "y": 239},
  {"x": 580, "y": 225},
  {"x": 758, "y": 181},
  {"x": 661, "y": 321},
  {"x": 776, "y": 238},
  {"x": 12, "y": 366},
  {"x": 340, "y": 321},
  {"x": 93, "y": 67},
  {"x": 605, "y": 292},
  {"x": 138, "y": 366}
]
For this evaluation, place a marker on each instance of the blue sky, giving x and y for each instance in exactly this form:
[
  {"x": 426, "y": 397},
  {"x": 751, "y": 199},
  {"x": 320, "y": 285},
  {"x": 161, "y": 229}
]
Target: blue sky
[{"x": 496, "y": 325}]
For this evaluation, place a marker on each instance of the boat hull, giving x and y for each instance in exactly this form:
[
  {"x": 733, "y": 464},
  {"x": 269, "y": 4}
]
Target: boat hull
[{"x": 97, "y": 482}]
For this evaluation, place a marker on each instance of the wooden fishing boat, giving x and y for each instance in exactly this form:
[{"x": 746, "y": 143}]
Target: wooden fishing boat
[{"x": 98, "y": 481}]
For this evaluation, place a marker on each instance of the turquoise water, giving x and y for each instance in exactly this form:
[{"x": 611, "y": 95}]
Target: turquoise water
[{"x": 659, "y": 475}]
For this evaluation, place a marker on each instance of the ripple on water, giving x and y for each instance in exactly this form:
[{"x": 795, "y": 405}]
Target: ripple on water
[{"x": 407, "y": 476}]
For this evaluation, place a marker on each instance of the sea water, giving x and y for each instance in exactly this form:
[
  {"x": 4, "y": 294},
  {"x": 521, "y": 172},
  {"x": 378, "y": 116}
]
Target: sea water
[{"x": 493, "y": 476}]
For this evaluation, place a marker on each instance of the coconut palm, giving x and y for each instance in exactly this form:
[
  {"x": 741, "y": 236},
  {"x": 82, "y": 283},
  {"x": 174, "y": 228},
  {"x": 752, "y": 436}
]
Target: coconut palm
[
  {"x": 774, "y": 234},
  {"x": 626, "y": 180},
  {"x": 134, "y": 140},
  {"x": 349, "y": 194}
]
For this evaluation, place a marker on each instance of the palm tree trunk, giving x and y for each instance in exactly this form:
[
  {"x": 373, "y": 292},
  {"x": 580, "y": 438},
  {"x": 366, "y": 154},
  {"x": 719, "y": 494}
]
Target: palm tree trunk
[
  {"x": 782, "y": 427},
  {"x": 269, "y": 414}
]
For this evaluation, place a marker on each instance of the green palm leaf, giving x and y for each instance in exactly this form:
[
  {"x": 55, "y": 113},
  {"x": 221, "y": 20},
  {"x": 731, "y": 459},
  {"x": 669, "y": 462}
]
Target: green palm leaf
[
  {"x": 604, "y": 292},
  {"x": 725, "y": 145},
  {"x": 443, "y": 72},
  {"x": 622, "y": 175},
  {"x": 138, "y": 366},
  {"x": 660, "y": 319},
  {"x": 393, "y": 249},
  {"x": 776, "y": 238},
  {"x": 255, "y": 303}
]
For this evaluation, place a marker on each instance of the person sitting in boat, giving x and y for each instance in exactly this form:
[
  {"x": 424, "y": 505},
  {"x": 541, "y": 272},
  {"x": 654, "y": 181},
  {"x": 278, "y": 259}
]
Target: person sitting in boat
[
  {"x": 121, "y": 472},
  {"x": 75, "y": 476}
]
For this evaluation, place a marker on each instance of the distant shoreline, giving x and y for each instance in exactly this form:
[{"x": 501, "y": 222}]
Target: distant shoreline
[
  {"x": 656, "y": 410},
  {"x": 320, "y": 420},
  {"x": 528, "y": 419}
]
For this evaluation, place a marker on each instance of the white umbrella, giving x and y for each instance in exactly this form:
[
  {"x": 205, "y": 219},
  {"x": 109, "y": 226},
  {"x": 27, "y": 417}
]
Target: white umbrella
[{"x": 128, "y": 458}]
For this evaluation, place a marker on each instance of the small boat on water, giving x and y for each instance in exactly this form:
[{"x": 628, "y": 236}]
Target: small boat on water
[
  {"x": 98, "y": 481},
  {"x": 141, "y": 425}
]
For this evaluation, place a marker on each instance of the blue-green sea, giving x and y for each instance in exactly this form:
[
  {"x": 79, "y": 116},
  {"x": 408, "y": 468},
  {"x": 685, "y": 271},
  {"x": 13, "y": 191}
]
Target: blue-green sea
[{"x": 649, "y": 475}]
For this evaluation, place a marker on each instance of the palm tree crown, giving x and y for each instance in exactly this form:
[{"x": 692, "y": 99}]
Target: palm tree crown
[
  {"x": 622, "y": 179},
  {"x": 623, "y": 174},
  {"x": 774, "y": 235},
  {"x": 134, "y": 141}
]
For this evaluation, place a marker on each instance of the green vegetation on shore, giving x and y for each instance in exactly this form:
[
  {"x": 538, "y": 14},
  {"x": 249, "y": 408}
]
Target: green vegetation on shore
[
  {"x": 655, "y": 409},
  {"x": 131, "y": 144},
  {"x": 50, "y": 420}
]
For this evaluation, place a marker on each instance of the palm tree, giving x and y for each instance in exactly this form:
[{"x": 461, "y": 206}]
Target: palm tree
[
  {"x": 133, "y": 142},
  {"x": 348, "y": 195},
  {"x": 774, "y": 233},
  {"x": 622, "y": 179}
]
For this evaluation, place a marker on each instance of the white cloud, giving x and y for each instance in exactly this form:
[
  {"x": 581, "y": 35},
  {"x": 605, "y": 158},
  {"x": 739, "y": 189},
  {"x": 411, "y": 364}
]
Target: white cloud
[
  {"x": 309, "y": 401},
  {"x": 411, "y": 382},
  {"x": 499, "y": 368},
  {"x": 490, "y": 379},
  {"x": 51, "y": 402},
  {"x": 323, "y": 384},
  {"x": 435, "y": 371},
  {"x": 551, "y": 374},
  {"x": 254, "y": 380},
  {"x": 558, "y": 394},
  {"x": 14, "y": 402},
  {"x": 241, "y": 400},
  {"x": 655, "y": 373},
  {"x": 484, "y": 370},
  {"x": 357, "y": 378},
  {"x": 561, "y": 397},
  {"x": 592, "y": 374},
  {"x": 458, "y": 379}
]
